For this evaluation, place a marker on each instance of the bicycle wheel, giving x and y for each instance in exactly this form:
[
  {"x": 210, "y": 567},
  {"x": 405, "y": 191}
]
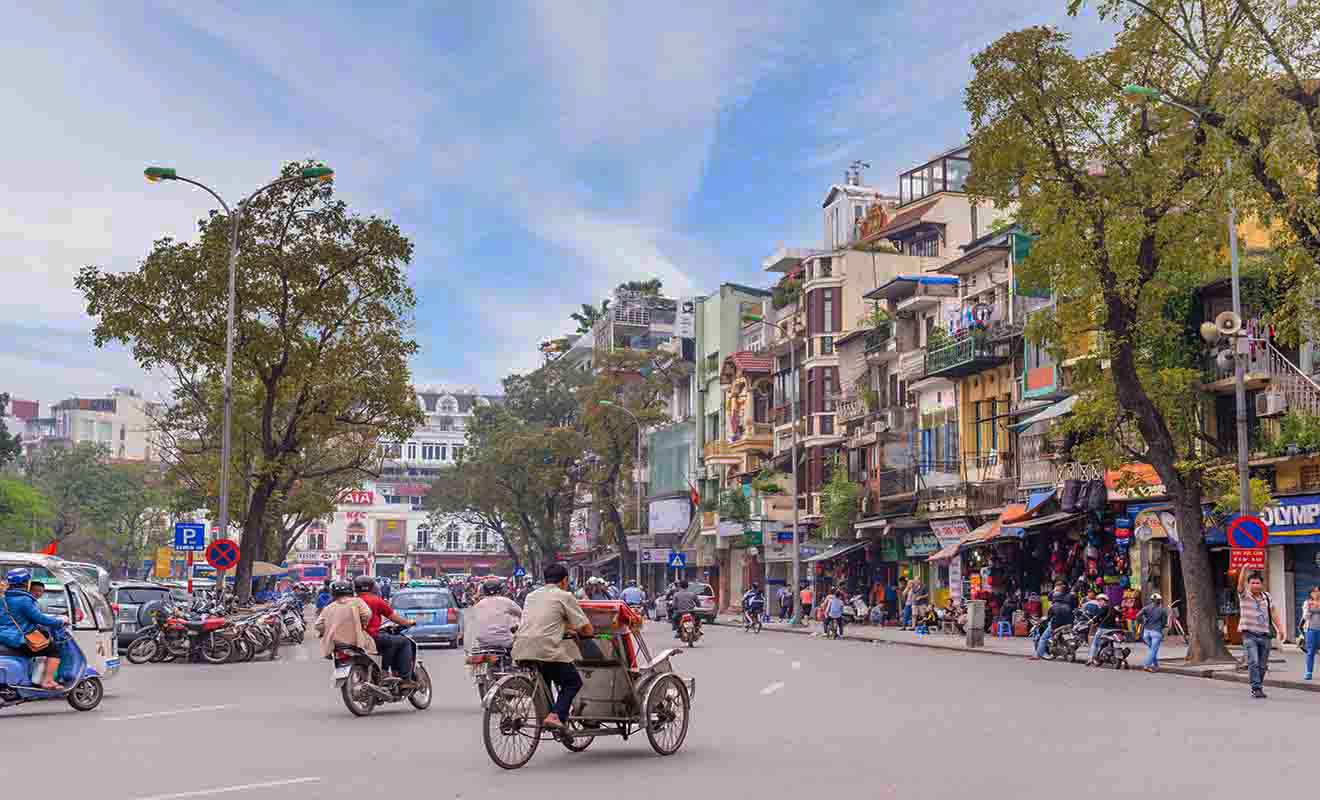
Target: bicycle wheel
[
  {"x": 667, "y": 714},
  {"x": 756, "y": 625},
  {"x": 511, "y": 724}
]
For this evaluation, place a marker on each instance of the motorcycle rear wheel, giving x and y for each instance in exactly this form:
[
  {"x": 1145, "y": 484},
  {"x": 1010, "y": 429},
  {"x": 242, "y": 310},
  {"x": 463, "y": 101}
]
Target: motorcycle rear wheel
[
  {"x": 142, "y": 650},
  {"x": 421, "y": 696},
  {"x": 243, "y": 650},
  {"x": 87, "y": 694},
  {"x": 357, "y": 696}
]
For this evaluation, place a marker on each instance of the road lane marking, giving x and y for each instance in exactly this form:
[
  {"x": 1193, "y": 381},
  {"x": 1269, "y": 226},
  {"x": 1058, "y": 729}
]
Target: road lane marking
[
  {"x": 302, "y": 655},
  {"x": 772, "y": 688},
  {"x": 776, "y": 651},
  {"x": 229, "y": 789},
  {"x": 796, "y": 665},
  {"x": 176, "y": 712}
]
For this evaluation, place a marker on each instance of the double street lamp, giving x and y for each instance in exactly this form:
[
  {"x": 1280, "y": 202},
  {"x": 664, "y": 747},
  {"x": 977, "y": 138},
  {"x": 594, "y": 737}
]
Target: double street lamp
[
  {"x": 1239, "y": 364},
  {"x": 792, "y": 454},
  {"x": 158, "y": 174},
  {"x": 637, "y": 557}
]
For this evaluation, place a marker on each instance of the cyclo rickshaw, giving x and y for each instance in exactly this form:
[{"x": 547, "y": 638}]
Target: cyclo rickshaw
[{"x": 625, "y": 691}]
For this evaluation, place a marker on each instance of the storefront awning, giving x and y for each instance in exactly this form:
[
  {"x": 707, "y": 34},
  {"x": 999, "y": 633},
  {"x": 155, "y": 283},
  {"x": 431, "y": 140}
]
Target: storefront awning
[
  {"x": 1048, "y": 521},
  {"x": 602, "y": 561},
  {"x": 946, "y": 552},
  {"x": 836, "y": 551},
  {"x": 1064, "y": 406},
  {"x": 891, "y": 524}
]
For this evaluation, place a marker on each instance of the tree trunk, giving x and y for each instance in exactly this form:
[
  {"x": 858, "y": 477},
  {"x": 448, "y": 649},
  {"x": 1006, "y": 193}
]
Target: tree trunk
[
  {"x": 1204, "y": 642},
  {"x": 254, "y": 539}
]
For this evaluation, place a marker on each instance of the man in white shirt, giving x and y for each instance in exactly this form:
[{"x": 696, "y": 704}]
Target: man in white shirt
[{"x": 495, "y": 616}]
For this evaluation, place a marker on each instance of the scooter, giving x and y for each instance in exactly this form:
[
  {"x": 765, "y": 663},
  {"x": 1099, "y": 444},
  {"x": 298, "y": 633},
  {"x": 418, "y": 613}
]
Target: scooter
[
  {"x": 82, "y": 687},
  {"x": 1112, "y": 653},
  {"x": 363, "y": 682},
  {"x": 689, "y": 630}
]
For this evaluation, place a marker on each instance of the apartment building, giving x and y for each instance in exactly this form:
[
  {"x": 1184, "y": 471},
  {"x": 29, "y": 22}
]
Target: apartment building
[{"x": 121, "y": 422}]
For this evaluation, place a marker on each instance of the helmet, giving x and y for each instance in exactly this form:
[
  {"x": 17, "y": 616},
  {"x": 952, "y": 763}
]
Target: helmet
[
  {"x": 1156, "y": 596},
  {"x": 492, "y": 587},
  {"x": 341, "y": 588},
  {"x": 18, "y": 576},
  {"x": 364, "y": 584}
]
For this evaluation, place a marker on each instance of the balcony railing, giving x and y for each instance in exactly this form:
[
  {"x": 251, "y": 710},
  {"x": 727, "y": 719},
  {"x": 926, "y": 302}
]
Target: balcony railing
[
  {"x": 891, "y": 482},
  {"x": 759, "y": 432},
  {"x": 879, "y": 338},
  {"x": 967, "y": 498},
  {"x": 717, "y": 449},
  {"x": 851, "y": 408},
  {"x": 912, "y": 365},
  {"x": 357, "y": 547},
  {"x": 971, "y": 354}
]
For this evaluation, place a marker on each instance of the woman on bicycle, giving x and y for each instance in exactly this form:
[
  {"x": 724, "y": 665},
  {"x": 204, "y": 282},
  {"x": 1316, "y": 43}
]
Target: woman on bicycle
[{"x": 834, "y": 612}]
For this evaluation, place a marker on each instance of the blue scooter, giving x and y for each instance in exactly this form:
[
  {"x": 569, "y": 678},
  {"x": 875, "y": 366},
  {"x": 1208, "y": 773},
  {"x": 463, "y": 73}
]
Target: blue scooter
[{"x": 82, "y": 685}]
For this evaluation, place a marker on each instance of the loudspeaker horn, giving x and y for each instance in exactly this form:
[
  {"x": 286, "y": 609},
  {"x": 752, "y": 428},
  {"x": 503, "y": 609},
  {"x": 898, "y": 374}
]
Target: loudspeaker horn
[{"x": 1228, "y": 323}]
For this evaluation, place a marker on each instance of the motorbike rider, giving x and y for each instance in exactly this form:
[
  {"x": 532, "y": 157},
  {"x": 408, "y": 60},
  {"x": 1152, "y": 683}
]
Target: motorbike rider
[
  {"x": 396, "y": 652},
  {"x": 1105, "y": 619},
  {"x": 632, "y": 595},
  {"x": 344, "y": 621},
  {"x": 22, "y": 616},
  {"x": 753, "y": 602},
  {"x": 1059, "y": 614},
  {"x": 495, "y": 616},
  {"x": 683, "y": 602},
  {"x": 324, "y": 597}
]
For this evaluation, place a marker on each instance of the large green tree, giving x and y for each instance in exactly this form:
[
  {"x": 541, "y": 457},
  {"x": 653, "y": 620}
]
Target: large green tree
[
  {"x": 10, "y": 443},
  {"x": 82, "y": 489},
  {"x": 1252, "y": 69},
  {"x": 1129, "y": 216},
  {"x": 323, "y": 316},
  {"x": 25, "y": 516}
]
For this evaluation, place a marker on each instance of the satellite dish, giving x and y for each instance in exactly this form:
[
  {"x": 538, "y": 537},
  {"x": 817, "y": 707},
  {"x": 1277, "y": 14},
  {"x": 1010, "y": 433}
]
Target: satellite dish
[{"x": 1228, "y": 323}]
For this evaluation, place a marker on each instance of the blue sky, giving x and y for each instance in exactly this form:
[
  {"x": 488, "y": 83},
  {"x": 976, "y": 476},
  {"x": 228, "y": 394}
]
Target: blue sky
[{"x": 538, "y": 153}]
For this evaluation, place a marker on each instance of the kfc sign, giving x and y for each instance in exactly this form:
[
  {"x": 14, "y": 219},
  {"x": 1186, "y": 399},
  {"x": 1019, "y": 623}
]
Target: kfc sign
[{"x": 358, "y": 497}]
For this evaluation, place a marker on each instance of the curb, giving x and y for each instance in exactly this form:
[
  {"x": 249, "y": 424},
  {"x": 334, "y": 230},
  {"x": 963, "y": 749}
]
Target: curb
[{"x": 1230, "y": 674}]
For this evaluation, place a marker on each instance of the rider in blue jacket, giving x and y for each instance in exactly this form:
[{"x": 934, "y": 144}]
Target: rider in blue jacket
[{"x": 21, "y": 616}]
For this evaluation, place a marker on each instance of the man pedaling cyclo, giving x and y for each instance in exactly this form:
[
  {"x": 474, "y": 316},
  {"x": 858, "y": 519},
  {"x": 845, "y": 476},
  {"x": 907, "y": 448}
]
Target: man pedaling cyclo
[{"x": 396, "y": 652}]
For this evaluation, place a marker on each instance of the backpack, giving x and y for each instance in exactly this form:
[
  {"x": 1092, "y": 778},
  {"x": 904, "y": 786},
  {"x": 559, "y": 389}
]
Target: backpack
[{"x": 1068, "y": 499}]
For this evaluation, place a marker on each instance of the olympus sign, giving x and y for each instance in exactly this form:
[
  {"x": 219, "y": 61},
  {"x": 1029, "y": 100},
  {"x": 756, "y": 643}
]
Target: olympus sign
[{"x": 1291, "y": 516}]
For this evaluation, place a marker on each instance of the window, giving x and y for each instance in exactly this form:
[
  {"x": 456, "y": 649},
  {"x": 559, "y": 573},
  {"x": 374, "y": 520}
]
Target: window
[
  {"x": 826, "y": 345},
  {"x": 928, "y": 247},
  {"x": 424, "y": 537},
  {"x": 429, "y": 400},
  {"x": 957, "y": 170},
  {"x": 446, "y": 423},
  {"x": 975, "y": 235},
  {"x": 827, "y": 314},
  {"x": 987, "y": 431},
  {"x": 452, "y": 537},
  {"x": 458, "y": 452},
  {"x": 316, "y": 541},
  {"x": 481, "y": 539},
  {"x": 449, "y": 406},
  {"x": 712, "y": 426},
  {"x": 123, "y": 432},
  {"x": 105, "y": 431},
  {"x": 825, "y": 267},
  {"x": 827, "y": 389},
  {"x": 444, "y": 452},
  {"x": 412, "y": 451}
]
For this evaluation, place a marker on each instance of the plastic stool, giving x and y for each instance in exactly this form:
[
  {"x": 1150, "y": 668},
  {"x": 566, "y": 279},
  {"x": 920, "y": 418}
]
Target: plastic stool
[
  {"x": 1003, "y": 628},
  {"x": 922, "y": 630}
]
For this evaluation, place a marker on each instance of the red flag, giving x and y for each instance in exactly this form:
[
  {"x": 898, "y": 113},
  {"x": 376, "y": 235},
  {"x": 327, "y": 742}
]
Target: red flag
[
  {"x": 50, "y": 549},
  {"x": 695, "y": 495}
]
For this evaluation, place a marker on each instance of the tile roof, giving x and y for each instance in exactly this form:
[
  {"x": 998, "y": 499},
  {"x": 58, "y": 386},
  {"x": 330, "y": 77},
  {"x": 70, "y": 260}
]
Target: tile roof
[
  {"x": 747, "y": 361},
  {"x": 905, "y": 219}
]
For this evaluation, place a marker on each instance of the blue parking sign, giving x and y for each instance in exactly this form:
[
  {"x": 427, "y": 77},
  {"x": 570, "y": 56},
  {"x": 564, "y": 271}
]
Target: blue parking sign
[{"x": 190, "y": 536}]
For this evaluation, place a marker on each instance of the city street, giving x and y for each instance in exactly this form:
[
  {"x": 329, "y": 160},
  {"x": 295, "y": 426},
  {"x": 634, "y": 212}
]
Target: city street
[{"x": 772, "y": 713}]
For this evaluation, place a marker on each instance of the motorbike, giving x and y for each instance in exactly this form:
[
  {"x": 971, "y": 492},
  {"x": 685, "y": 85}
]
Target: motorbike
[
  {"x": 486, "y": 665},
  {"x": 1112, "y": 652},
  {"x": 364, "y": 683},
  {"x": 689, "y": 630},
  {"x": 832, "y": 629},
  {"x": 171, "y": 635}
]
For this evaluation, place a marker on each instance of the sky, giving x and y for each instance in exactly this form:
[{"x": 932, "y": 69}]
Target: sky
[{"x": 538, "y": 153}]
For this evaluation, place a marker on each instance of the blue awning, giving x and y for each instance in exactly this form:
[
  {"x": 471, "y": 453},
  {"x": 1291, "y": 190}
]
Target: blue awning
[
  {"x": 1064, "y": 406},
  {"x": 1038, "y": 499}
]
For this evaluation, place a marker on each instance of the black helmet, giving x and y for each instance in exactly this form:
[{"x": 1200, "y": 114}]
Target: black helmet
[
  {"x": 364, "y": 584},
  {"x": 341, "y": 588},
  {"x": 492, "y": 587}
]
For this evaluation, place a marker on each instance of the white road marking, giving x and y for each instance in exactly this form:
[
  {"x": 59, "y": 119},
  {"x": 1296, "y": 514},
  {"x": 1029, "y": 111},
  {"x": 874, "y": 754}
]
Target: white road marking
[
  {"x": 796, "y": 665},
  {"x": 302, "y": 655},
  {"x": 776, "y": 651},
  {"x": 228, "y": 789},
  {"x": 772, "y": 688},
  {"x": 168, "y": 713}
]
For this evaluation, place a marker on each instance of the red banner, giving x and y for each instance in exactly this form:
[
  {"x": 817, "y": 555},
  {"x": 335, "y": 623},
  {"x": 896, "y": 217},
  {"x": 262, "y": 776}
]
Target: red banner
[{"x": 1238, "y": 558}]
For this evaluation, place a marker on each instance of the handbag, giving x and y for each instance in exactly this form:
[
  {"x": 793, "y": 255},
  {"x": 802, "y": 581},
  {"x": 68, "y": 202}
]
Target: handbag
[{"x": 36, "y": 640}]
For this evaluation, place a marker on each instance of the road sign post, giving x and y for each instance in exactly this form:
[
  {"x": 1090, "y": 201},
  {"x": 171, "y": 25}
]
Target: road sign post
[
  {"x": 222, "y": 555},
  {"x": 1247, "y": 537}
]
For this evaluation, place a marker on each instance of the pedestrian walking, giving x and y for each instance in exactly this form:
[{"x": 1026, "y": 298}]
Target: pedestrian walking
[
  {"x": 1311, "y": 619},
  {"x": 904, "y": 604},
  {"x": 1153, "y": 619},
  {"x": 1258, "y": 620},
  {"x": 805, "y": 596},
  {"x": 785, "y": 596}
]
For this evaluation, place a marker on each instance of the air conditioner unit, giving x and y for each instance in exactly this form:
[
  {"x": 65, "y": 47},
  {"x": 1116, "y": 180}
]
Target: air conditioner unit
[{"x": 1271, "y": 404}]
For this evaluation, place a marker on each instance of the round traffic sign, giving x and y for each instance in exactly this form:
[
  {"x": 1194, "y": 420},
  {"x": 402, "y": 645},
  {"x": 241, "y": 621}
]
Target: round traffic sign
[
  {"x": 1248, "y": 533},
  {"x": 222, "y": 554}
]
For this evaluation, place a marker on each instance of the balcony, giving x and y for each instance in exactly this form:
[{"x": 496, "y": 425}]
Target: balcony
[
  {"x": 912, "y": 365},
  {"x": 970, "y": 355},
  {"x": 719, "y": 451},
  {"x": 893, "y": 484},
  {"x": 357, "y": 547},
  {"x": 851, "y": 409},
  {"x": 755, "y": 436},
  {"x": 777, "y": 507},
  {"x": 967, "y": 498}
]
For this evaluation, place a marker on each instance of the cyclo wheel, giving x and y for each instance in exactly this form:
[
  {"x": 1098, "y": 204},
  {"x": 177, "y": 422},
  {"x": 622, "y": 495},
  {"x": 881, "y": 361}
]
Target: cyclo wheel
[
  {"x": 667, "y": 712},
  {"x": 574, "y": 744},
  {"x": 511, "y": 724}
]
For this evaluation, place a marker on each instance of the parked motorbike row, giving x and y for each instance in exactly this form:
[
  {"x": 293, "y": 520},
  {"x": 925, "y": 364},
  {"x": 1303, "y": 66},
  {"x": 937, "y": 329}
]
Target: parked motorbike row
[
  {"x": 205, "y": 634},
  {"x": 1065, "y": 641}
]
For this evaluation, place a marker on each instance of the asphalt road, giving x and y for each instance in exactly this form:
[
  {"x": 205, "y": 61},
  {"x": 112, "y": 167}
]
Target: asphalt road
[{"x": 774, "y": 714}]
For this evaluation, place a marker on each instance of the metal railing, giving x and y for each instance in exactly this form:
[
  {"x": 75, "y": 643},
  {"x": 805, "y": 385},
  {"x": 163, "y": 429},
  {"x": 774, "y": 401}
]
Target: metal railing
[
  {"x": 879, "y": 337},
  {"x": 912, "y": 365},
  {"x": 959, "y": 353},
  {"x": 1300, "y": 393}
]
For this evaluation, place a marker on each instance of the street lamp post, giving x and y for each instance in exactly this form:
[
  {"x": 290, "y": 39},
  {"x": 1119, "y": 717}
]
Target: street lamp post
[
  {"x": 792, "y": 455},
  {"x": 637, "y": 557},
  {"x": 1239, "y": 365},
  {"x": 158, "y": 174}
]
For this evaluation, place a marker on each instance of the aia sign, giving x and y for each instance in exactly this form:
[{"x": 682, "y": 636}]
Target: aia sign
[{"x": 358, "y": 497}]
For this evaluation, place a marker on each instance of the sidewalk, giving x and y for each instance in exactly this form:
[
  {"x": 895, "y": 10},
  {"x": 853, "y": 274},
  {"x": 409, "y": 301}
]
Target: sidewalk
[{"x": 1286, "y": 665}]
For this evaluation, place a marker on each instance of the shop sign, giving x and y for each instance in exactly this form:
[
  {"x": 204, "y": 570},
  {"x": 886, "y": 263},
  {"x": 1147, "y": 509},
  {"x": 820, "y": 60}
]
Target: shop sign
[
  {"x": 1135, "y": 480},
  {"x": 949, "y": 531},
  {"x": 389, "y": 559},
  {"x": 807, "y": 552},
  {"x": 313, "y": 557},
  {"x": 1241, "y": 558},
  {"x": 784, "y": 536},
  {"x": 751, "y": 538},
  {"x": 358, "y": 497},
  {"x": 891, "y": 549},
  {"x": 920, "y": 544},
  {"x": 1293, "y": 520},
  {"x": 728, "y": 529}
]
